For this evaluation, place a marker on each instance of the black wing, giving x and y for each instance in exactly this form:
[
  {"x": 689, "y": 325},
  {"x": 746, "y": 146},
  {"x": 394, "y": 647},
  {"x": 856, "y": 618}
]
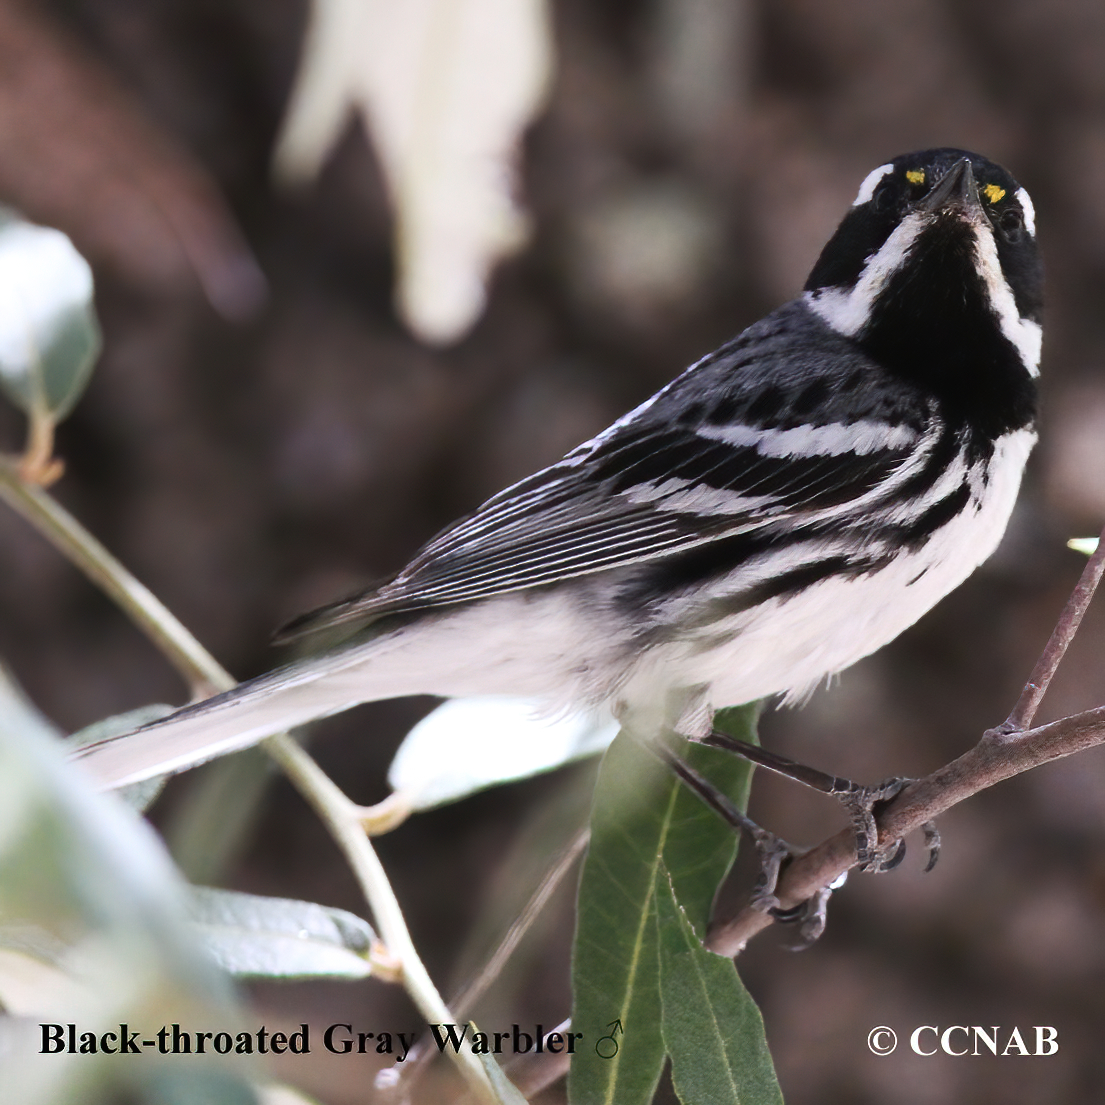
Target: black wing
[{"x": 706, "y": 459}]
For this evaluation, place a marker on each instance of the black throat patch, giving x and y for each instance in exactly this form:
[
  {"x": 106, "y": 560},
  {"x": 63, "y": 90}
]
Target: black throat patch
[{"x": 933, "y": 325}]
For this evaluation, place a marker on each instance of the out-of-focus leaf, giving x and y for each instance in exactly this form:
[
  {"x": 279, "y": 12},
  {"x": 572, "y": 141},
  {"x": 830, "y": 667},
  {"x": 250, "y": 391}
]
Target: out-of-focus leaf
[
  {"x": 447, "y": 89},
  {"x": 1087, "y": 545},
  {"x": 711, "y": 1027},
  {"x": 257, "y": 937},
  {"x": 81, "y": 156},
  {"x": 139, "y": 796},
  {"x": 507, "y": 1092},
  {"x": 86, "y": 888},
  {"x": 284, "y": 1095},
  {"x": 643, "y": 821},
  {"x": 49, "y": 337},
  {"x": 467, "y": 744},
  {"x": 32, "y": 986}
]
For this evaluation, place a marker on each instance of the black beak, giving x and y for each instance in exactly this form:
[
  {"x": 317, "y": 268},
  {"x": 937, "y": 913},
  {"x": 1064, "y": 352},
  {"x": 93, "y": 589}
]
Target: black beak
[{"x": 956, "y": 188}]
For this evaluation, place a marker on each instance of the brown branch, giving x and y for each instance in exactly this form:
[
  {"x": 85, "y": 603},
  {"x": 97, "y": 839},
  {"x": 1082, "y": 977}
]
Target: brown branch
[
  {"x": 992, "y": 760},
  {"x": 1061, "y": 637}
]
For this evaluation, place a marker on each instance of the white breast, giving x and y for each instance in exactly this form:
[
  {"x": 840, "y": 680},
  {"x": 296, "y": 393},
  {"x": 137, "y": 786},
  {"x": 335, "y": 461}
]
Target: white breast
[{"x": 788, "y": 645}]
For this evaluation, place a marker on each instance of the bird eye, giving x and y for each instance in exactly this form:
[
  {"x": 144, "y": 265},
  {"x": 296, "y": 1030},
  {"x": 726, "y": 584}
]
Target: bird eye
[
  {"x": 884, "y": 197},
  {"x": 1011, "y": 223}
]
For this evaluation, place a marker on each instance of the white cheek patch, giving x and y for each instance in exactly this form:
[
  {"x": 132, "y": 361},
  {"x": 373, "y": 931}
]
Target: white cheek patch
[
  {"x": 1029, "y": 210},
  {"x": 870, "y": 183},
  {"x": 847, "y": 310},
  {"x": 1024, "y": 333}
]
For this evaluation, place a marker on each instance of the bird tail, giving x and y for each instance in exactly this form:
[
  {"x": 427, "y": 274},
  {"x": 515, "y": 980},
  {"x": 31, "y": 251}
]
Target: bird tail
[{"x": 238, "y": 718}]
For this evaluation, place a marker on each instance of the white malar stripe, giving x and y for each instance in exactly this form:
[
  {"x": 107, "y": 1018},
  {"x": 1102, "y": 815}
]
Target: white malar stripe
[
  {"x": 1024, "y": 333},
  {"x": 832, "y": 440},
  {"x": 847, "y": 310},
  {"x": 870, "y": 183},
  {"x": 1029, "y": 210}
]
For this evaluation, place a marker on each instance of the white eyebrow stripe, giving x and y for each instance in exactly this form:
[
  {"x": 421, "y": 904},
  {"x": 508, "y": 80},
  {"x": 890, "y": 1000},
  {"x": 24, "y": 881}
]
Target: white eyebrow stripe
[
  {"x": 1029, "y": 210},
  {"x": 870, "y": 183}
]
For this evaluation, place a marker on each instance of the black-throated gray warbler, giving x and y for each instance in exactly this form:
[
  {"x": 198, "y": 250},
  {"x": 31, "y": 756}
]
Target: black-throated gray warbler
[{"x": 786, "y": 506}]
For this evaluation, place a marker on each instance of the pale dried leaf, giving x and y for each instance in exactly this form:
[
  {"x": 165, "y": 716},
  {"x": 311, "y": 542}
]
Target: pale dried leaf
[
  {"x": 468, "y": 744},
  {"x": 447, "y": 89}
]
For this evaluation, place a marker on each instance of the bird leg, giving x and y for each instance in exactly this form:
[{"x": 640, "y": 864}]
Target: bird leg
[
  {"x": 859, "y": 801},
  {"x": 772, "y": 850}
]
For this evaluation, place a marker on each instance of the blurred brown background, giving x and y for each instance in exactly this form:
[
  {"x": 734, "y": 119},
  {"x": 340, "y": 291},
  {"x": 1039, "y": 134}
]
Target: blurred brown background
[{"x": 248, "y": 461}]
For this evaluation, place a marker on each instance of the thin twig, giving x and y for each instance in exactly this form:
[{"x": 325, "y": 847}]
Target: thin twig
[
  {"x": 991, "y": 761},
  {"x": 533, "y": 1073},
  {"x": 1034, "y": 690},
  {"x": 199, "y": 670},
  {"x": 467, "y": 997},
  {"x": 464, "y": 999},
  {"x": 38, "y": 465},
  {"x": 340, "y": 817}
]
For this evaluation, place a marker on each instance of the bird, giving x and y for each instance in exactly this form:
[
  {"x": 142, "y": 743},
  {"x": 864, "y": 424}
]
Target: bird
[{"x": 787, "y": 505}]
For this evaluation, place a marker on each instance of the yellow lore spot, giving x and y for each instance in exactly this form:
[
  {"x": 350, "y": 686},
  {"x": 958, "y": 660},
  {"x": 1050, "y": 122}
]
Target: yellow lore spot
[
  {"x": 994, "y": 192},
  {"x": 915, "y": 176}
]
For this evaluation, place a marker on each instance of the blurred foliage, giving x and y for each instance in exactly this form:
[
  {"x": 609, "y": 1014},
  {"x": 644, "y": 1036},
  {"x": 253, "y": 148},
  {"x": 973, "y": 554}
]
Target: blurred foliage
[
  {"x": 467, "y": 744},
  {"x": 91, "y": 932},
  {"x": 446, "y": 91},
  {"x": 49, "y": 334},
  {"x": 254, "y": 937}
]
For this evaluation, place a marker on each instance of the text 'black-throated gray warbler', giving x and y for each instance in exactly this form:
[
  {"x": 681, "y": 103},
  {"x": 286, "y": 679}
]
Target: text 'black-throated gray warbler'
[{"x": 786, "y": 506}]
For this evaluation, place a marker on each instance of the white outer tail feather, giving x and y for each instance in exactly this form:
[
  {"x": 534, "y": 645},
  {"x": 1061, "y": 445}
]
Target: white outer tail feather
[{"x": 505, "y": 645}]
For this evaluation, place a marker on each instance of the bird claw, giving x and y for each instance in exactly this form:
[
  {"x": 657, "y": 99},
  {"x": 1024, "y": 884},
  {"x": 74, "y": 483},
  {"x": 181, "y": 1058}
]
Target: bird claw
[
  {"x": 861, "y": 803},
  {"x": 773, "y": 852},
  {"x": 809, "y": 916}
]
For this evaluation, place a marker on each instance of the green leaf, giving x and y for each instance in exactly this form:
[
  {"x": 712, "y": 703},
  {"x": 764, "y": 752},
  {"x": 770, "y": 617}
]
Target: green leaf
[
  {"x": 1086, "y": 545},
  {"x": 507, "y": 1092},
  {"x": 49, "y": 337},
  {"x": 615, "y": 979},
  {"x": 468, "y": 744},
  {"x": 643, "y": 820},
  {"x": 711, "y": 1027},
  {"x": 702, "y": 847},
  {"x": 258, "y": 937}
]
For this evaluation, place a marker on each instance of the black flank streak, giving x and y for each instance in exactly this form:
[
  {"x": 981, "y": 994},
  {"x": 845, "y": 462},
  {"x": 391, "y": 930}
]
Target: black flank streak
[
  {"x": 788, "y": 583},
  {"x": 914, "y": 534},
  {"x": 942, "y": 455}
]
